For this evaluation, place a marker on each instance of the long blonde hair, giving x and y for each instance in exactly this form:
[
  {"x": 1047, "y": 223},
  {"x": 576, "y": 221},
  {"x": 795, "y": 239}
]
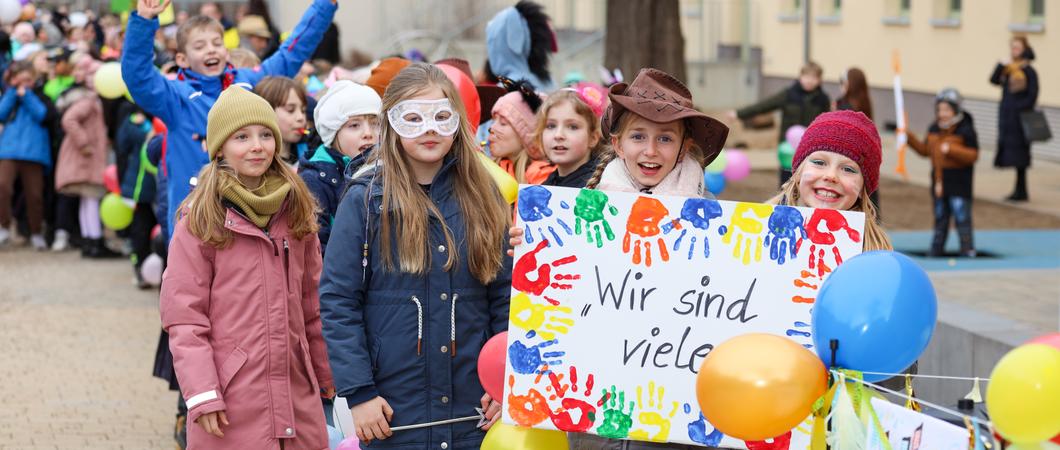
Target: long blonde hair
[
  {"x": 403, "y": 222},
  {"x": 875, "y": 237},
  {"x": 205, "y": 210}
]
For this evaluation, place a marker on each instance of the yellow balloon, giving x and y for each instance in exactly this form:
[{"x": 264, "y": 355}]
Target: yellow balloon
[
  {"x": 505, "y": 182},
  {"x": 759, "y": 386},
  {"x": 1023, "y": 397},
  {"x": 510, "y": 437},
  {"x": 231, "y": 38},
  {"x": 108, "y": 81}
]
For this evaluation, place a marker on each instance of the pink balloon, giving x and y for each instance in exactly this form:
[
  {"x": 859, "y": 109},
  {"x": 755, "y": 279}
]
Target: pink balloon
[
  {"x": 1048, "y": 339},
  {"x": 350, "y": 443},
  {"x": 737, "y": 167},
  {"x": 491, "y": 361},
  {"x": 794, "y": 135},
  {"x": 110, "y": 179}
]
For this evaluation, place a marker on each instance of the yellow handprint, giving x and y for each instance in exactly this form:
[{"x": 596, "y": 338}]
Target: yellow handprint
[
  {"x": 748, "y": 227},
  {"x": 653, "y": 418},
  {"x": 529, "y": 316}
]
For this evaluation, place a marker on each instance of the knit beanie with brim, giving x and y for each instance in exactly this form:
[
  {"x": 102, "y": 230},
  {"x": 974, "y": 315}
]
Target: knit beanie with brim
[
  {"x": 848, "y": 133},
  {"x": 514, "y": 109},
  {"x": 343, "y": 100},
  {"x": 236, "y": 108}
]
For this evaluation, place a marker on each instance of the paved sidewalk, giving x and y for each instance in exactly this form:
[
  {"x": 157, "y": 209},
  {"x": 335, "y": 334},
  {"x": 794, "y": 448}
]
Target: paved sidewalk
[{"x": 78, "y": 343}]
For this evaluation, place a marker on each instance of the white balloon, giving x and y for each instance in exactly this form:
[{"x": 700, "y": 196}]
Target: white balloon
[
  {"x": 151, "y": 270},
  {"x": 10, "y": 11}
]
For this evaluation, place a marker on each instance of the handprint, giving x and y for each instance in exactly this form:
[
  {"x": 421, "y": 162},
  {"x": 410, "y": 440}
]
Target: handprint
[
  {"x": 561, "y": 417},
  {"x": 527, "y": 409},
  {"x": 533, "y": 210},
  {"x": 617, "y": 420},
  {"x": 528, "y": 263},
  {"x": 745, "y": 228},
  {"x": 589, "y": 207},
  {"x": 697, "y": 212},
  {"x": 644, "y": 220},
  {"x": 527, "y": 360},
  {"x": 653, "y": 418},
  {"x": 697, "y": 430},
  {"x": 833, "y": 221},
  {"x": 800, "y": 329},
  {"x": 809, "y": 281},
  {"x": 545, "y": 320},
  {"x": 782, "y": 442},
  {"x": 785, "y": 231}
]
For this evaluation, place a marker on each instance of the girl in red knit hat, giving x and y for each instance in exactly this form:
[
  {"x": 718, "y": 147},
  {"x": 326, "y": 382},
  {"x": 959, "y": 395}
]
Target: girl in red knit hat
[{"x": 837, "y": 166}]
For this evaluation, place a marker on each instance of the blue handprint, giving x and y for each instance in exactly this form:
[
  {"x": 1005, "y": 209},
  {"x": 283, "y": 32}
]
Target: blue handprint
[
  {"x": 533, "y": 207},
  {"x": 529, "y": 360},
  {"x": 697, "y": 212},
  {"x": 697, "y": 431},
  {"x": 785, "y": 229}
]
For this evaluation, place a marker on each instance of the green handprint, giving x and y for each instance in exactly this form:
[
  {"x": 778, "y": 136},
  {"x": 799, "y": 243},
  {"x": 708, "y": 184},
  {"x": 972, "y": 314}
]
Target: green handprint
[
  {"x": 748, "y": 227},
  {"x": 653, "y": 418},
  {"x": 589, "y": 207},
  {"x": 616, "y": 422}
]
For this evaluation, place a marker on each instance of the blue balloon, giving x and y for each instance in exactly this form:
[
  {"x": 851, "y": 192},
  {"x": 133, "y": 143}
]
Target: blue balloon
[
  {"x": 715, "y": 182},
  {"x": 882, "y": 309},
  {"x": 334, "y": 437}
]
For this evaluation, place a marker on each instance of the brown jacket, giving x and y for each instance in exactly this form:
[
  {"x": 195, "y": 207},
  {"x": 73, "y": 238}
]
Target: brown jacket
[{"x": 959, "y": 156}]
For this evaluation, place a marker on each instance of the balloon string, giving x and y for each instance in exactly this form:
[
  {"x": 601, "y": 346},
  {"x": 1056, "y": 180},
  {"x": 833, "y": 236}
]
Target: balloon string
[
  {"x": 922, "y": 402},
  {"x": 937, "y": 377}
]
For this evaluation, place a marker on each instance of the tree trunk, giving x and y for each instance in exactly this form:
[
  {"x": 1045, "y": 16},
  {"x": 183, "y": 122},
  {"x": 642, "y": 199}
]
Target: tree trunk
[{"x": 644, "y": 33}]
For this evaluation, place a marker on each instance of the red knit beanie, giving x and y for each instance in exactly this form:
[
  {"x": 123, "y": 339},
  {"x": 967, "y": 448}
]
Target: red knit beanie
[{"x": 848, "y": 133}]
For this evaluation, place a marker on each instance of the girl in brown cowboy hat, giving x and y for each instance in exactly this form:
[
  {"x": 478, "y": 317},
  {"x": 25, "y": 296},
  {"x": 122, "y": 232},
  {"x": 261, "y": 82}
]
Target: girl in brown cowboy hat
[{"x": 659, "y": 145}]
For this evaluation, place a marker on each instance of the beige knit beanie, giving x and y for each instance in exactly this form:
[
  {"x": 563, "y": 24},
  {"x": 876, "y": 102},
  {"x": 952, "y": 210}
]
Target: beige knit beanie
[{"x": 236, "y": 108}]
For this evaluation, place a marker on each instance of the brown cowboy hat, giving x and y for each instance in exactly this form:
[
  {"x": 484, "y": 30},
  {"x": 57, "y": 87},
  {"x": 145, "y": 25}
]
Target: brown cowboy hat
[
  {"x": 659, "y": 97},
  {"x": 487, "y": 95}
]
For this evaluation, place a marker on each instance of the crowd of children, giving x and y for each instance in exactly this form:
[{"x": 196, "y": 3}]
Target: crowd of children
[{"x": 309, "y": 234}]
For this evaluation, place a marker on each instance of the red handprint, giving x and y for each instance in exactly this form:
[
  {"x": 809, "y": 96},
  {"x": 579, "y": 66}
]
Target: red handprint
[
  {"x": 528, "y": 263},
  {"x": 833, "y": 221},
  {"x": 782, "y": 442},
  {"x": 561, "y": 417},
  {"x": 644, "y": 220}
]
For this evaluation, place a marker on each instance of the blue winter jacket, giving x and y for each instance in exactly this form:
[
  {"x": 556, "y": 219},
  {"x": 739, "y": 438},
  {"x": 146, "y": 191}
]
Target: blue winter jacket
[
  {"x": 24, "y": 138},
  {"x": 372, "y": 320},
  {"x": 323, "y": 171},
  {"x": 184, "y": 103}
]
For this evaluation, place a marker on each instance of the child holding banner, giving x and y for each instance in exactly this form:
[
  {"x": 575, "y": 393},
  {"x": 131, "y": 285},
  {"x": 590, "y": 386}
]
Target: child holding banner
[
  {"x": 568, "y": 130},
  {"x": 426, "y": 235},
  {"x": 843, "y": 154}
]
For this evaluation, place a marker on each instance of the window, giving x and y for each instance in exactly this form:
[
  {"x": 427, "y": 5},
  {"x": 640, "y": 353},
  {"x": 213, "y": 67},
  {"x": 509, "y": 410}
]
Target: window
[
  {"x": 791, "y": 11},
  {"x": 829, "y": 11},
  {"x": 1037, "y": 11},
  {"x": 1028, "y": 16},
  {"x": 896, "y": 12},
  {"x": 955, "y": 9},
  {"x": 903, "y": 7},
  {"x": 946, "y": 14}
]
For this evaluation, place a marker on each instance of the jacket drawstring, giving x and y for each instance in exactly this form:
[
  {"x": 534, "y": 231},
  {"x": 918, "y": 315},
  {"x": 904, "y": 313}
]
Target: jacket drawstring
[
  {"x": 452, "y": 326},
  {"x": 419, "y": 324}
]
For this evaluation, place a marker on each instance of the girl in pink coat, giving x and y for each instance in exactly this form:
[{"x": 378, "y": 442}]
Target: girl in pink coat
[{"x": 239, "y": 298}]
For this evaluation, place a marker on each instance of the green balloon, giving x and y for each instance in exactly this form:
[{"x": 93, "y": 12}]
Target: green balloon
[
  {"x": 718, "y": 165},
  {"x": 115, "y": 213},
  {"x": 785, "y": 153}
]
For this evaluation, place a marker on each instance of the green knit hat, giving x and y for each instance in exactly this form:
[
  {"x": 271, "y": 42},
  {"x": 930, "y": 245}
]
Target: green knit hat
[{"x": 235, "y": 109}]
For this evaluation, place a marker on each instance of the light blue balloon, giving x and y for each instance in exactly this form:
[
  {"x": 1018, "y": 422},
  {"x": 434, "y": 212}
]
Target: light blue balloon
[
  {"x": 715, "y": 182},
  {"x": 334, "y": 437},
  {"x": 881, "y": 307}
]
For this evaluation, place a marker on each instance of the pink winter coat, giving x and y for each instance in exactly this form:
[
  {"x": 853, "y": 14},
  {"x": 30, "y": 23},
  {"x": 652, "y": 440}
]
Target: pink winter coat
[
  {"x": 83, "y": 153},
  {"x": 244, "y": 329}
]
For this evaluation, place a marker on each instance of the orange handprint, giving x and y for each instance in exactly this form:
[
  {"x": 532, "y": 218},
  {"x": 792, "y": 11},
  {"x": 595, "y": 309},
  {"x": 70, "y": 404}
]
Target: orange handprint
[{"x": 644, "y": 221}]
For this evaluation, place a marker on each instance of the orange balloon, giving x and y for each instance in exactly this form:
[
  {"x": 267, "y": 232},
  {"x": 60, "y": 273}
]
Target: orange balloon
[{"x": 758, "y": 386}]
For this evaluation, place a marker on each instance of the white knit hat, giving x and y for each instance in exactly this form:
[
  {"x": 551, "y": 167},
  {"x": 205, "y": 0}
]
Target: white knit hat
[{"x": 343, "y": 100}]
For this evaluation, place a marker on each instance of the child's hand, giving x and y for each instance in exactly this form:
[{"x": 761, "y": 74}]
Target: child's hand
[
  {"x": 21, "y": 90},
  {"x": 945, "y": 148},
  {"x": 515, "y": 239},
  {"x": 491, "y": 409},
  {"x": 149, "y": 9},
  {"x": 211, "y": 422},
  {"x": 372, "y": 419}
]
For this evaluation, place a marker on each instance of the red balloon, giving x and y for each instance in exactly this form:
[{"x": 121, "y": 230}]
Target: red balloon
[
  {"x": 468, "y": 93},
  {"x": 110, "y": 179},
  {"x": 158, "y": 126},
  {"x": 491, "y": 365},
  {"x": 155, "y": 231}
]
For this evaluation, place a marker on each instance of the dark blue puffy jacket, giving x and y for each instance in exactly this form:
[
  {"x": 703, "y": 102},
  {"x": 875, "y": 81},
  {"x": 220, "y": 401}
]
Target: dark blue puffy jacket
[
  {"x": 323, "y": 171},
  {"x": 372, "y": 321}
]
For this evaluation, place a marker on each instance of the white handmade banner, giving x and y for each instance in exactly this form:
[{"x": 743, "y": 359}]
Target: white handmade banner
[
  {"x": 910, "y": 430},
  {"x": 618, "y": 297}
]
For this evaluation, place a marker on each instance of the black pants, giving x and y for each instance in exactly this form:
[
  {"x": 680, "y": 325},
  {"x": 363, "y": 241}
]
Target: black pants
[
  {"x": 140, "y": 232},
  {"x": 960, "y": 209}
]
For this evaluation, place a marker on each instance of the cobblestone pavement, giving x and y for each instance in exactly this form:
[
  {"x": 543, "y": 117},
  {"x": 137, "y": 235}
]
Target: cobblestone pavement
[{"x": 77, "y": 342}]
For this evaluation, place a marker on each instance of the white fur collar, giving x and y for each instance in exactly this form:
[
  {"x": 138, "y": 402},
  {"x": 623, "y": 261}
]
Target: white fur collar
[{"x": 685, "y": 180}]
